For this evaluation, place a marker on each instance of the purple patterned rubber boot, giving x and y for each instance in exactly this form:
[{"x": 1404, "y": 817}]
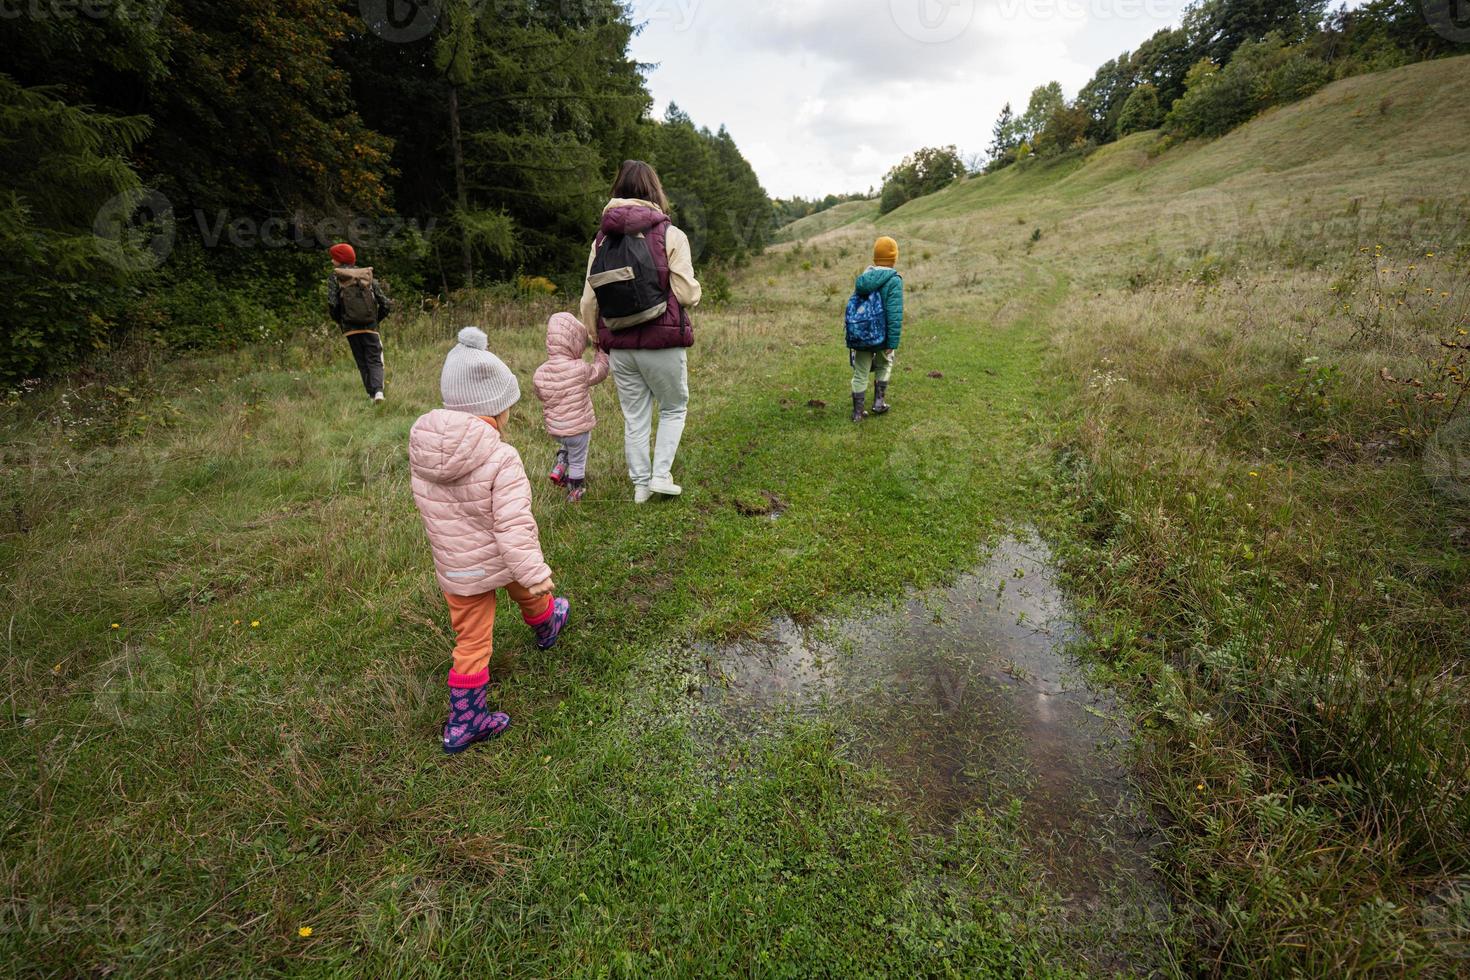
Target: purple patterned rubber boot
[
  {"x": 550, "y": 628},
  {"x": 470, "y": 720},
  {"x": 576, "y": 490}
]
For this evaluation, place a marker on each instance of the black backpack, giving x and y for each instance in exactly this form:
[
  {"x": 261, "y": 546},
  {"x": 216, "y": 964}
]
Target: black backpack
[
  {"x": 359, "y": 303},
  {"x": 626, "y": 281}
]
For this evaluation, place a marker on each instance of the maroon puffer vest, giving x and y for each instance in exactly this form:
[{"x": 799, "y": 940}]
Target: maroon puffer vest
[{"x": 673, "y": 328}]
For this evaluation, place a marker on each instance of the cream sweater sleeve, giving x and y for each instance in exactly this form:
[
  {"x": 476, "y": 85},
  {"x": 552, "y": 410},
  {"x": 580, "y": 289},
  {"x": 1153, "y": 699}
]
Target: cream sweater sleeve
[
  {"x": 687, "y": 289},
  {"x": 589, "y": 299}
]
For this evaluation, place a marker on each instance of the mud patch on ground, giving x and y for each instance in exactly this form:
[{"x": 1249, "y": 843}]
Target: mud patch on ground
[{"x": 965, "y": 698}]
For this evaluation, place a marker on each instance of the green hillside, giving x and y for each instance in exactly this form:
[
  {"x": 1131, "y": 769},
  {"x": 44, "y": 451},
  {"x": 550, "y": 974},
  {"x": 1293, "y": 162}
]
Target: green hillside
[
  {"x": 1363, "y": 138},
  {"x": 839, "y": 216},
  {"x": 1219, "y": 379}
]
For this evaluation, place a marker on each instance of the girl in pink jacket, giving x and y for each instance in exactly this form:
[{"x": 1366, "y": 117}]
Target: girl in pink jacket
[
  {"x": 564, "y": 384},
  {"x": 472, "y": 491}
]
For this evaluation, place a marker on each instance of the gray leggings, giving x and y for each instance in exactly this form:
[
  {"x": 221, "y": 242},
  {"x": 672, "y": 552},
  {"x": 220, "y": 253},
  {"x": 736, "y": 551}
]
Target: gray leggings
[{"x": 576, "y": 449}]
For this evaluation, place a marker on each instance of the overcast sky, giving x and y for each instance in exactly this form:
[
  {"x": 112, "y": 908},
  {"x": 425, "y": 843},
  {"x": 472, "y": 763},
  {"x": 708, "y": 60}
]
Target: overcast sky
[{"x": 824, "y": 96}]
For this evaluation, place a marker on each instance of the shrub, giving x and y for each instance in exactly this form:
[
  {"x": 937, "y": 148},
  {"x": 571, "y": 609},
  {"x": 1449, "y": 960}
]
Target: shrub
[
  {"x": 1260, "y": 74},
  {"x": 1141, "y": 111},
  {"x": 536, "y": 286},
  {"x": 205, "y": 298},
  {"x": 1065, "y": 129},
  {"x": 1213, "y": 104},
  {"x": 60, "y": 168},
  {"x": 929, "y": 170},
  {"x": 717, "y": 288}
]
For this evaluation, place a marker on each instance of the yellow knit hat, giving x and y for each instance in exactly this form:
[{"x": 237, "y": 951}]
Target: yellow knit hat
[{"x": 885, "y": 252}]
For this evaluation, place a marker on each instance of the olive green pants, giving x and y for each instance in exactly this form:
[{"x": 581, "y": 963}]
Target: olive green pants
[{"x": 864, "y": 361}]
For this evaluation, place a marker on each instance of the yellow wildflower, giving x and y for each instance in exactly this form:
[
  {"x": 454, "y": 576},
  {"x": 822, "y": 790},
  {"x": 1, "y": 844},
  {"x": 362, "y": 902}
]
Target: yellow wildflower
[
  {"x": 255, "y": 624},
  {"x": 117, "y": 626},
  {"x": 304, "y": 932}
]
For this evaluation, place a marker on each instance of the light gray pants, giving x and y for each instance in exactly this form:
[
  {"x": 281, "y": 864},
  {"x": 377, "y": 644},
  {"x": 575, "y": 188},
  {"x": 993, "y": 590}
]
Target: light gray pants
[
  {"x": 576, "y": 449},
  {"x": 643, "y": 377}
]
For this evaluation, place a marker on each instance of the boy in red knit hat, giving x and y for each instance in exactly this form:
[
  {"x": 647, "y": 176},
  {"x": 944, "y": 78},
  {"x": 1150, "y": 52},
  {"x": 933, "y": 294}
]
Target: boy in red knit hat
[{"x": 358, "y": 304}]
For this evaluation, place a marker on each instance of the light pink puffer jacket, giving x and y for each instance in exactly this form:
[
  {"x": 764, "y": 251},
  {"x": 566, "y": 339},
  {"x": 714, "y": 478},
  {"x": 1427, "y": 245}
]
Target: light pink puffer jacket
[
  {"x": 472, "y": 491},
  {"x": 565, "y": 382}
]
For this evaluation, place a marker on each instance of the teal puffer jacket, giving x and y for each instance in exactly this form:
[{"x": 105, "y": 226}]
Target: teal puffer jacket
[{"x": 890, "y": 283}]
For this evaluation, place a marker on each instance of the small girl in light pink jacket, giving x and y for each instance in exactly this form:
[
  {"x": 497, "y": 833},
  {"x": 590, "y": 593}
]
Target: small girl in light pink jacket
[
  {"x": 473, "y": 494},
  {"x": 564, "y": 384}
]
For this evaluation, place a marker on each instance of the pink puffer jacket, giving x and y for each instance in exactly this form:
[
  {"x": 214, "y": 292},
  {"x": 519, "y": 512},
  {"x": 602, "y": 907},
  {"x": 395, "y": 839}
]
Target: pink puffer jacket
[
  {"x": 564, "y": 383},
  {"x": 475, "y": 499}
]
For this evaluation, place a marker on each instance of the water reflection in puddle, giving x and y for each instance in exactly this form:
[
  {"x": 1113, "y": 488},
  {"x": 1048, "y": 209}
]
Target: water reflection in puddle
[{"x": 965, "y": 698}]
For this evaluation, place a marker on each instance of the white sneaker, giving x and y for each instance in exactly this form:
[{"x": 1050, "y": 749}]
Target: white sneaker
[
  {"x": 642, "y": 495},
  {"x": 665, "y": 487},
  {"x": 378, "y": 399}
]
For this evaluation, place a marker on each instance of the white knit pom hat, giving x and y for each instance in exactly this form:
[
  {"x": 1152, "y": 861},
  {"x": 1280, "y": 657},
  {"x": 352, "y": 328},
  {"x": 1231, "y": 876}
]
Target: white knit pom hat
[{"x": 475, "y": 381}]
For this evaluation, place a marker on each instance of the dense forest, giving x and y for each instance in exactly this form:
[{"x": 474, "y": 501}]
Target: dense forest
[{"x": 174, "y": 170}]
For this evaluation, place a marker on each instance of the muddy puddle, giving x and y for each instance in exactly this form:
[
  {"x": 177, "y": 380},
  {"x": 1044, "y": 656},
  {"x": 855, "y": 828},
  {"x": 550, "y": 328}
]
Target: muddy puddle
[{"x": 966, "y": 699}]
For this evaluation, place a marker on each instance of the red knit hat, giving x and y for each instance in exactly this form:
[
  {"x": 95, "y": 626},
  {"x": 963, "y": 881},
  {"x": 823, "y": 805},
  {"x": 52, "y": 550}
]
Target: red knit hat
[{"x": 343, "y": 253}]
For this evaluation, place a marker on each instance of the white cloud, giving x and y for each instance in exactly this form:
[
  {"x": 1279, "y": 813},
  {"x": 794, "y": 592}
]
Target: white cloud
[{"x": 825, "y": 95}]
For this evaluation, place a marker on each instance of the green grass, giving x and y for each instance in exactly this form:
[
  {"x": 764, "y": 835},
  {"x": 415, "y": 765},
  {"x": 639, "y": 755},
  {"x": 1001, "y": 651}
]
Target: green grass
[
  {"x": 840, "y": 216},
  {"x": 188, "y": 790}
]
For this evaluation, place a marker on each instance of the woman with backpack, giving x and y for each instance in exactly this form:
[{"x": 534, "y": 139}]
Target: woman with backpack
[{"x": 639, "y": 290}]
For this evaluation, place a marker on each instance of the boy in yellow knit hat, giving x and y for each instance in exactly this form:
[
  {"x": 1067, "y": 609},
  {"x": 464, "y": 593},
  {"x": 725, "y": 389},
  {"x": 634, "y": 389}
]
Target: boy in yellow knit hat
[{"x": 874, "y": 327}]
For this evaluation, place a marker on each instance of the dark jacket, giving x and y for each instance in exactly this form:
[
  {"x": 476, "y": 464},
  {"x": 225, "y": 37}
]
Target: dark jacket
[{"x": 334, "y": 303}]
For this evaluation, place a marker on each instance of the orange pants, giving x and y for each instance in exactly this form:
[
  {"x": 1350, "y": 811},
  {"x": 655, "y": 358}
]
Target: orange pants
[{"x": 473, "y": 618}]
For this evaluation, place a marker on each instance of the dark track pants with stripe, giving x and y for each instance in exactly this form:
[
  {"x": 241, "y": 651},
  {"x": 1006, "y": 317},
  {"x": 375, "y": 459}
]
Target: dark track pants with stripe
[{"x": 367, "y": 350}]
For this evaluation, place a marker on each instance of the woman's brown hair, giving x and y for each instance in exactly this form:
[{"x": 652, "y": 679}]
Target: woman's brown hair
[{"x": 639, "y": 181}]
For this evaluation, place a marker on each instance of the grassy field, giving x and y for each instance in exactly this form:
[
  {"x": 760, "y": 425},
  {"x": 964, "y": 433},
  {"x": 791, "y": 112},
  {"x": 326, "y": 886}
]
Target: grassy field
[
  {"x": 841, "y": 216},
  {"x": 225, "y": 653}
]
